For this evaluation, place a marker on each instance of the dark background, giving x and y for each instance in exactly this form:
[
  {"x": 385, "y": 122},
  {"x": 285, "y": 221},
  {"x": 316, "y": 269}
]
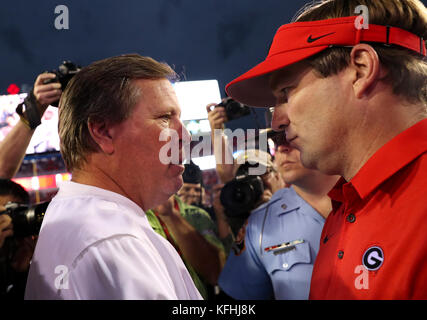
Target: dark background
[{"x": 201, "y": 39}]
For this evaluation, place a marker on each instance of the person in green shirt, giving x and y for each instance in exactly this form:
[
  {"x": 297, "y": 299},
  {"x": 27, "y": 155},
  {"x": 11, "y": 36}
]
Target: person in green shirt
[{"x": 193, "y": 233}]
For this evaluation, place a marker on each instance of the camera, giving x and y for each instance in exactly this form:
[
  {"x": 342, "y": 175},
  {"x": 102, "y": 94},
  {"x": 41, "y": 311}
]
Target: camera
[
  {"x": 239, "y": 197},
  {"x": 66, "y": 71},
  {"x": 26, "y": 220},
  {"x": 234, "y": 109}
]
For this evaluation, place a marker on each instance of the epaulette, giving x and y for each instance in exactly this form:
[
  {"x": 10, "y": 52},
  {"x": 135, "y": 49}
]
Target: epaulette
[
  {"x": 280, "y": 195},
  {"x": 265, "y": 204}
]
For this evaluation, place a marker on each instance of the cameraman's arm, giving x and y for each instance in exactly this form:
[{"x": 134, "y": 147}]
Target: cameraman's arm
[
  {"x": 12, "y": 149},
  {"x": 15, "y": 144},
  {"x": 223, "y": 153},
  {"x": 224, "y": 230}
]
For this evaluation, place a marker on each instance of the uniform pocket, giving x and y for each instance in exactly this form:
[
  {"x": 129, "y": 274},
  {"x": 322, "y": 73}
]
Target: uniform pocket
[{"x": 285, "y": 260}]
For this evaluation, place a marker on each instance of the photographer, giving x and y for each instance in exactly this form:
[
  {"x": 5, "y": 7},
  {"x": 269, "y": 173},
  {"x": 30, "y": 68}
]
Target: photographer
[
  {"x": 192, "y": 191},
  {"x": 14, "y": 145},
  {"x": 217, "y": 117},
  {"x": 240, "y": 196},
  {"x": 191, "y": 231},
  {"x": 15, "y": 253}
]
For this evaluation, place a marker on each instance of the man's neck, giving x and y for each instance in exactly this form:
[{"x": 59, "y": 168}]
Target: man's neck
[
  {"x": 314, "y": 190},
  {"x": 98, "y": 178},
  {"x": 375, "y": 131}
]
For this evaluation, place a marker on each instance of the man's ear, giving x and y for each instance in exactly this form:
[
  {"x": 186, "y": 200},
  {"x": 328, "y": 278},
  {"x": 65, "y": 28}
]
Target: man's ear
[
  {"x": 366, "y": 65},
  {"x": 101, "y": 133}
]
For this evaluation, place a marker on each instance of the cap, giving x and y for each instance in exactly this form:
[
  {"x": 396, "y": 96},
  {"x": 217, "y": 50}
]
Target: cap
[{"x": 297, "y": 41}]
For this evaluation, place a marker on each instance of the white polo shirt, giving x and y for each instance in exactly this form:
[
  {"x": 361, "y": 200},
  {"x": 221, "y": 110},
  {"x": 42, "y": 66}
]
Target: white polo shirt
[{"x": 97, "y": 244}]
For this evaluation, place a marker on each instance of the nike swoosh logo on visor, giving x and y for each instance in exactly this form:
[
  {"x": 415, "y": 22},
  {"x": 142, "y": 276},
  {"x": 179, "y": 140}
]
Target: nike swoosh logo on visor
[{"x": 310, "y": 39}]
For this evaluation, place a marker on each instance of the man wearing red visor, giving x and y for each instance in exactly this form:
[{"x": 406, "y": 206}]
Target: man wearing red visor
[{"x": 351, "y": 95}]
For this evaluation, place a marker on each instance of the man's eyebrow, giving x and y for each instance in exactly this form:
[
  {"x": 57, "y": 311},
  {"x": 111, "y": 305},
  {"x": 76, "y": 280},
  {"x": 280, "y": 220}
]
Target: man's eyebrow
[
  {"x": 171, "y": 110},
  {"x": 279, "y": 79},
  {"x": 176, "y": 111},
  {"x": 289, "y": 75}
]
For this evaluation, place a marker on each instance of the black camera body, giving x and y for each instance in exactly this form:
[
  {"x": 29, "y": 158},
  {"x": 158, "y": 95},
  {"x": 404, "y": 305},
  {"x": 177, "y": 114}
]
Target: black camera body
[
  {"x": 233, "y": 109},
  {"x": 66, "y": 71},
  {"x": 26, "y": 220},
  {"x": 240, "y": 196},
  {"x": 192, "y": 173}
]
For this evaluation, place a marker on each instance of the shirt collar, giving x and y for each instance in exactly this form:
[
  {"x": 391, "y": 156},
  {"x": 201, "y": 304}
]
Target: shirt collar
[
  {"x": 389, "y": 159},
  {"x": 71, "y": 188}
]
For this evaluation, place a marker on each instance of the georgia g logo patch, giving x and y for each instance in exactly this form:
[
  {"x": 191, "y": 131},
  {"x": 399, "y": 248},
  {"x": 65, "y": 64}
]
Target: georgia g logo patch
[{"x": 373, "y": 258}]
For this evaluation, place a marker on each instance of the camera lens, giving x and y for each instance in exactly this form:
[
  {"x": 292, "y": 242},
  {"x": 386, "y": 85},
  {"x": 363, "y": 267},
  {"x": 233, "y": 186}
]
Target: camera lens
[{"x": 240, "y": 195}]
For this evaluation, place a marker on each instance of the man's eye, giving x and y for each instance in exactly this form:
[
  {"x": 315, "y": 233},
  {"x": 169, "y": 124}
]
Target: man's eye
[
  {"x": 285, "y": 93},
  {"x": 166, "y": 116}
]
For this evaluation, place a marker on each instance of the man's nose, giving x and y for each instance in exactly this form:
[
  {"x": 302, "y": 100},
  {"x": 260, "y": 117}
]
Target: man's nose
[
  {"x": 185, "y": 136},
  {"x": 280, "y": 118},
  {"x": 284, "y": 148}
]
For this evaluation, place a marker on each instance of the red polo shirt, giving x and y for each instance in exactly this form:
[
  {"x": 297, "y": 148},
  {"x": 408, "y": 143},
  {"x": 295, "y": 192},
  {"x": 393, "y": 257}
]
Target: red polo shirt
[{"x": 374, "y": 242}]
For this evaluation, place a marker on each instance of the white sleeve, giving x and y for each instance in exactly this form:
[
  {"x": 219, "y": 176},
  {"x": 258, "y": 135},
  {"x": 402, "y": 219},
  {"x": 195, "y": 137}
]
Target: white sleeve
[{"x": 120, "y": 267}]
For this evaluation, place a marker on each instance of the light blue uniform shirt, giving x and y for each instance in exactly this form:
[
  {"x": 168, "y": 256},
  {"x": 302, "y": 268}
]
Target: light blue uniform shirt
[{"x": 279, "y": 273}]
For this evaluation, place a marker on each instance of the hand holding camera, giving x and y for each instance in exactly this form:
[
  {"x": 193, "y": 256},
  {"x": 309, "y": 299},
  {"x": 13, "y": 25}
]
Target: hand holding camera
[
  {"x": 46, "y": 92},
  {"x": 216, "y": 116},
  {"x": 233, "y": 109},
  {"x": 227, "y": 110},
  {"x": 66, "y": 71},
  {"x": 18, "y": 246}
]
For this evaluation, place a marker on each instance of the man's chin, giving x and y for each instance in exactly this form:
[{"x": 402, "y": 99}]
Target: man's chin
[
  {"x": 308, "y": 161},
  {"x": 178, "y": 182},
  {"x": 176, "y": 169}
]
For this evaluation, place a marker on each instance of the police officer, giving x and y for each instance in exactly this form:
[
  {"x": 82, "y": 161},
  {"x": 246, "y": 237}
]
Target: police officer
[{"x": 282, "y": 236}]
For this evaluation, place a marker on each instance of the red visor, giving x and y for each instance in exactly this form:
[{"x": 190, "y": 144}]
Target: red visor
[{"x": 299, "y": 40}]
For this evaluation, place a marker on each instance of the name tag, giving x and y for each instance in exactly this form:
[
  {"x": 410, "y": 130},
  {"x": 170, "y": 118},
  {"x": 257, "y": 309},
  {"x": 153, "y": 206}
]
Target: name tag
[{"x": 283, "y": 247}]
